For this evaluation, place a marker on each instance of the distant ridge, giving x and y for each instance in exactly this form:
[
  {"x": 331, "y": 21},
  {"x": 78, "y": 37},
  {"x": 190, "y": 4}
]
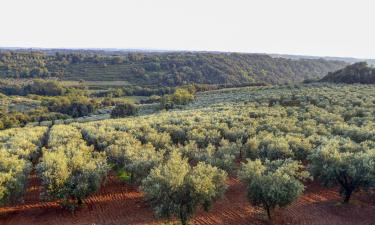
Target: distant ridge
[
  {"x": 356, "y": 73},
  {"x": 166, "y": 68},
  {"x": 145, "y": 50},
  {"x": 344, "y": 59}
]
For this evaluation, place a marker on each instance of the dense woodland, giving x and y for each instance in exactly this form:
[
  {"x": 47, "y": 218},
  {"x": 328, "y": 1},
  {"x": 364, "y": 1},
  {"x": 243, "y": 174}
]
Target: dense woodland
[
  {"x": 165, "y": 69},
  {"x": 360, "y": 73}
]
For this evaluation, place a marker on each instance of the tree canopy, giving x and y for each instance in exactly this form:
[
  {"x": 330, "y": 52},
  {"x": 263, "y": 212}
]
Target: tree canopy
[
  {"x": 176, "y": 189},
  {"x": 359, "y": 72},
  {"x": 167, "y": 69},
  {"x": 272, "y": 184},
  {"x": 341, "y": 162}
]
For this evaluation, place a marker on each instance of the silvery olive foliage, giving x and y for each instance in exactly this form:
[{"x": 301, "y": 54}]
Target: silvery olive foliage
[
  {"x": 69, "y": 169},
  {"x": 175, "y": 188},
  {"x": 342, "y": 162},
  {"x": 13, "y": 177},
  {"x": 179, "y": 156},
  {"x": 18, "y": 149},
  {"x": 223, "y": 127},
  {"x": 272, "y": 184}
]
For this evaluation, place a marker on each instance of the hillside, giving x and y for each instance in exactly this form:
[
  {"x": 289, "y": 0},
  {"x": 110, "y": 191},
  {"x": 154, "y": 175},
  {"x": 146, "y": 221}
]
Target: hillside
[
  {"x": 344, "y": 59},
  {"x": 355, "y": 73},
  {"x": 162, "y": 68}
]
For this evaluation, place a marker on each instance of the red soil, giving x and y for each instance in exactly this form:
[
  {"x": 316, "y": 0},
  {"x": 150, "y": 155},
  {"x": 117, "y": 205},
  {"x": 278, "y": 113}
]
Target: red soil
[{"x": 118, "y": 203}]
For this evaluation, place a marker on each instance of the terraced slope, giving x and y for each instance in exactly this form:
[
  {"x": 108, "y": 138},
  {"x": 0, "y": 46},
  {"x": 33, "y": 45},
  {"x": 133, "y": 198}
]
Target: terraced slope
[{"x": 168, "y": 69}]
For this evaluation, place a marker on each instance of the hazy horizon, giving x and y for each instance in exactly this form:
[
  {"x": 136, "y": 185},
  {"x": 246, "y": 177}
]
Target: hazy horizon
[
  {"x": 320, "y": 28},
  {"x": 172, "y": 50}
]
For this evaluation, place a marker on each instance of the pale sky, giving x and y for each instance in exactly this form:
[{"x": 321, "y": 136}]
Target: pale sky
[{"x": 309, "y": 27}]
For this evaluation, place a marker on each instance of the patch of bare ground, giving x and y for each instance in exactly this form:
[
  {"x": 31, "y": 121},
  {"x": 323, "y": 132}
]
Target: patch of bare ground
[{"x": 119, "y": 203}]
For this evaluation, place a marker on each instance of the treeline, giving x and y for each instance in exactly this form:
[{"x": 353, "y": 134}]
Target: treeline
[
  {"x": 50, "y": 109},
  {"x": 356, "y": 73},
  {"x": 168, "y": 69},
  {"x": 35, "y": 86},
  {"x": 135, "y": 90},
  {"x": 52, "y": 101}
]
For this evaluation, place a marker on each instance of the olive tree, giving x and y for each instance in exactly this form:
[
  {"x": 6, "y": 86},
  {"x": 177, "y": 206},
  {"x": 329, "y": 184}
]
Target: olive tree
[
  {"x": 139, "y": 159},
  {"x": 13, "y": 177},
  {"x": 222, "y": 157},
  {"x": 268, "y": 146},
  {"x": 69, "y": 169},
  {"x": 273, "y": 183},
  {"x": 174, "y": 188},
  {"x": 116, "y": 149},
  {"x": 71, "y": 176},
  {"x": 18, "y": 148},
  {"x": 338, "y": 163}
]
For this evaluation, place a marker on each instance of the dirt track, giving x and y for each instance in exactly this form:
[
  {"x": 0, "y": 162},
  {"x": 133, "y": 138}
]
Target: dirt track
[{"x": 123, "y": 204}]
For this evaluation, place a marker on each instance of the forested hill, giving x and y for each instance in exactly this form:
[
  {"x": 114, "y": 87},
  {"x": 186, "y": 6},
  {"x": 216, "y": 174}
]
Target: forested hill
[
  {"x": 162, "y": 68},
  {"x": 355, "y": 73},
  {"x": 344, "y": 59}
]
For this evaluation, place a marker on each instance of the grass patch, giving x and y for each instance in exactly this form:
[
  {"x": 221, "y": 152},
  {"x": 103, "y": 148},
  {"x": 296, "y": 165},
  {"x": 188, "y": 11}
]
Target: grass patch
[{"x": 123, "y": 175}]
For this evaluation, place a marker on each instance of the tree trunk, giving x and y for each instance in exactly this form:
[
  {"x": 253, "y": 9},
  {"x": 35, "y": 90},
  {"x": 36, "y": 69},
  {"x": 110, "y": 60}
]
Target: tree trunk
[
  {"x": 348, "y": 193},
  {"x": 131, "y": 178},
  {"x": 269, "y": 213},
  {"x": 183, "y": 216},
  {"x": 80, "y": 201}
]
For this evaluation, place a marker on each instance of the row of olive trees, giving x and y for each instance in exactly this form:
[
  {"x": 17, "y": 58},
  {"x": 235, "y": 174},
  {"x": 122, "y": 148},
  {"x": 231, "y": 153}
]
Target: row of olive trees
[
  {"x": 13, "y": 177},
  {"x": 69, "y": 169},
  {"x": 124, "y": 151},
  {"x": 18, "y": 149}
]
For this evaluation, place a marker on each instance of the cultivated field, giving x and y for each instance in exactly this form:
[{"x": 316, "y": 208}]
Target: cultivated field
[{"x": 103, "y": 172}]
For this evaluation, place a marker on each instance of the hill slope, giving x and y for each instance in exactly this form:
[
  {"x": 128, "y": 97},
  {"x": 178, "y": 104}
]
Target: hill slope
[
  {"x": 344, "y": 59},
  {"x": 355, "y": 73},
  {"x": 163, "y": 68}
]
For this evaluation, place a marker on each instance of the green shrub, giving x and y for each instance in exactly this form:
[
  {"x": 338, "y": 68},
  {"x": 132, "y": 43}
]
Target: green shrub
[
  {"x": 123, "y": 110},
  {"x": 179, "y": 97}
]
